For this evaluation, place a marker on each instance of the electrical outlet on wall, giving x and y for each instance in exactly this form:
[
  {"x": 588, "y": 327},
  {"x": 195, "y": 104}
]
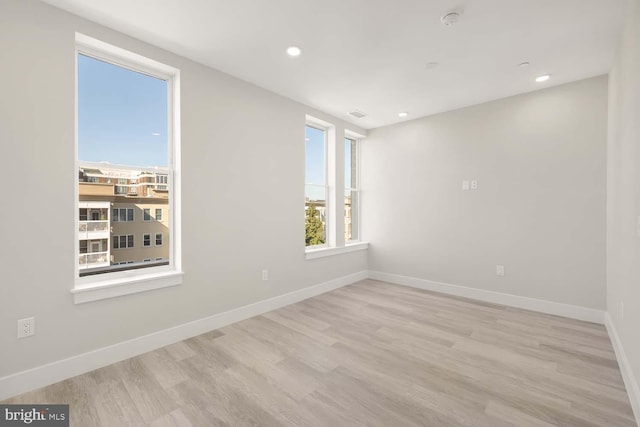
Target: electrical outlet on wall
[
  {"x": 26, "y": 327},
  {"x": 474, "y": 184},
  {"x": 499, "y": 270}
]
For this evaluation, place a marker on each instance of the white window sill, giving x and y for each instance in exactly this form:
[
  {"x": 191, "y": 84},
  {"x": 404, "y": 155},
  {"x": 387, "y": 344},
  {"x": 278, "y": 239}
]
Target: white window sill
[
  {"x": 111, "y": 288},
  {"x": 324, "y": 252}
]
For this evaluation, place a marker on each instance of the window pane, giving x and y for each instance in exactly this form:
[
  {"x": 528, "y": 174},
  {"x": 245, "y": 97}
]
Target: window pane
[
  {"x": 158, "y": 214},
  {"x": 147, "y": 214},
  {"x": 351, "y": 210},
  {"x": 315, "y": 156},
  {"x": 119, "y": 114},
  {"x": 351, "y": 195},
  {"x": 130, "y": 215},
  {"x": 130, "y": 241},
  {"x": 315, "y": 216},
  {"x": 316, "y": 186},
  {"x": 350, "y": 163}
]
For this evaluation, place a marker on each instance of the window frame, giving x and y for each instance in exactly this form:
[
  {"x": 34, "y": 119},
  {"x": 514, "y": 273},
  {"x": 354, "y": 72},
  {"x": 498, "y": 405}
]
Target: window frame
[
  {"x": 117, "y": 283},
  {"x": 334, "y": 159},
  {"x": 326, "y": 129}
]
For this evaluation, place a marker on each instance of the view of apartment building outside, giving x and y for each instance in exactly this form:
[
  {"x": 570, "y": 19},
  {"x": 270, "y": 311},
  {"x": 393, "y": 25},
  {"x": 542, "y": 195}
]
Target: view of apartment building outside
[
  {"x": 349, "y": 220},
  {"x": 123, "y": 218}
]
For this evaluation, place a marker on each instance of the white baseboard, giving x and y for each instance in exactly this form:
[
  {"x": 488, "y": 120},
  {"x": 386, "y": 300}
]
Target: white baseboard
[
  {"x": 543, "y": 306},
  {"x": 633, "y": 390},
  {"x": 31, "y": 379}
]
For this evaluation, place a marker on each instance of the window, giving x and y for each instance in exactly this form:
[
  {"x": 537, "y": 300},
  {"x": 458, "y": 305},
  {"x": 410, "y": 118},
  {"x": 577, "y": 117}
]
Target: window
[
  {"x": 92, "y": 179},
  {"x": 123, "y": 242},
  {"x": 351, "y": 190},
  {"x": 146, "y": 260},
  {"x": 127, "y": 119},
  {"x": 123, "y": 215},
  {"x": 332, "y": 201},
  {"x": 162, "y": 181},
  {"x": 158, "y": 239},
  {"x": 316, "y": 190},
  {"x": 158, "y": 214},
  {"x": 146, "y": 240}
]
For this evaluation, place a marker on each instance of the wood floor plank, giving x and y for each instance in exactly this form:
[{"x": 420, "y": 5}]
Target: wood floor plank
[{"x": 373, "y": 354}]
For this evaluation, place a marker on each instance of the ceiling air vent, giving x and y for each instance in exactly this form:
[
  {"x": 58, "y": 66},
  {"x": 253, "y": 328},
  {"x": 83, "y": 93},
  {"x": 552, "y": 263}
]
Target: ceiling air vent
[{"x": 357, "y": 114}]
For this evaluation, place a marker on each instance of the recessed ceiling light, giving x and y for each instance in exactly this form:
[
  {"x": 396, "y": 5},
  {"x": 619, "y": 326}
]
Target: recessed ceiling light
[
  {"x": 543, "y": 78},
  {"x": 403, "y": 114},
  {"x": 524, "y": 64},
  {"x": 293, "y": 51}
]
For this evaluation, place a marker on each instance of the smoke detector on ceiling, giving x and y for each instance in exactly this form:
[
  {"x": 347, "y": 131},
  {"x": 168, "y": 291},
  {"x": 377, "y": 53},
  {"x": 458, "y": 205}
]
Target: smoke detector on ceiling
[{"x": 451, "y": 18}]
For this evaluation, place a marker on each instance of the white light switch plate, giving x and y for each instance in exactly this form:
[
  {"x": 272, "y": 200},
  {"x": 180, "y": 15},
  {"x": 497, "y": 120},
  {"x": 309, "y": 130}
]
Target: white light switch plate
[
  {"x": 465, "y": 185},
  {"x": 499, "y": 270}
]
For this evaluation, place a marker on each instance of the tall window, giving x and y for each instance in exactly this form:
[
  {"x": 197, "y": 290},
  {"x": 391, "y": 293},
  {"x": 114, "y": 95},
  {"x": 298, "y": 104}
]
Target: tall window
[
  {"x": 351, "y": 190},
  {"x": 126, "y": 117},
  {"x": 315, "y": 186}
]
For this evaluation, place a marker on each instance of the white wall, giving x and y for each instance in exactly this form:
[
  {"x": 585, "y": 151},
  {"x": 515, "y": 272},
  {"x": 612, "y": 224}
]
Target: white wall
[
  {"x": 623, "y": 197},
  {"x": 539, "y": 159},
  {"x": 243, "y": 196}
]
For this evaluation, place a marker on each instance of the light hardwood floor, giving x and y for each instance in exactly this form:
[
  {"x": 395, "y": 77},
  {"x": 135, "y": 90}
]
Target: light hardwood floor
[{"x": 371, "y": 354}]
